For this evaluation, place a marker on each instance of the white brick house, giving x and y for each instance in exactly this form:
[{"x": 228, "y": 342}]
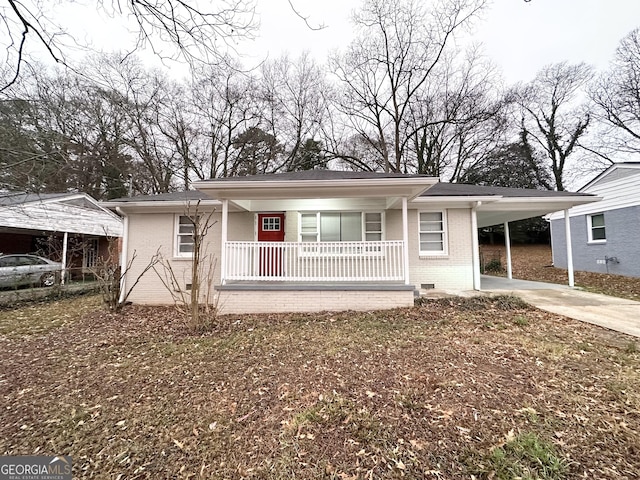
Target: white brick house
[{"x": 326, "y": 240}]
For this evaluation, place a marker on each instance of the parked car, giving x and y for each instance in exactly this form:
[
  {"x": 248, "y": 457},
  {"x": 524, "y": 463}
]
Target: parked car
[{"x": 23, "y": 269}]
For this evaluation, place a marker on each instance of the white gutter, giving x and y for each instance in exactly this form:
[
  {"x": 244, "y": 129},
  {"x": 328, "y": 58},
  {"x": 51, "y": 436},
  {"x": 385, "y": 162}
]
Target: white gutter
[
  {"x": 157, "y": 204},
  {"x": 124, "y": 253}
]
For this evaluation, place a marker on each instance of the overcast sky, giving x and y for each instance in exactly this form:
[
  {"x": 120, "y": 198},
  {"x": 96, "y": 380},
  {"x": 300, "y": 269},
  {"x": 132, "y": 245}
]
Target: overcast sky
[{"x": 520, "y": 37}]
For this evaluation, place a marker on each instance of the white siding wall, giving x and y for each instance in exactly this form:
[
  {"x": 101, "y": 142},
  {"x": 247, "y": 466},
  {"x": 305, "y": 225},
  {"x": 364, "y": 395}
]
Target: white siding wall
[{"x": 619, "y": 192}]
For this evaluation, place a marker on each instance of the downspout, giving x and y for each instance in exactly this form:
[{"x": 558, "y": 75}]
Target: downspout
[
  {"x": 475, "y": 245},
  {"x": 123, "y": 254}
]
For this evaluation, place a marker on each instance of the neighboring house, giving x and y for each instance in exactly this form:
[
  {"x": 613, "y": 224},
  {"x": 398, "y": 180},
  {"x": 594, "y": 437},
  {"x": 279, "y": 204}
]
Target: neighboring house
[
  {"x": 325, "y": 240},
  {"x": 605, "y": 235},
  {"x": 68, "y": 227}
]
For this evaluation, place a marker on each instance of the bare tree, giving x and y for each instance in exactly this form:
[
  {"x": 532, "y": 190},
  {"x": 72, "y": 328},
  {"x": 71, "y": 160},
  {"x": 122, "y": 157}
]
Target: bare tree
[
  {"x": 198, "y": 302},
  {"x": 224, "y": 99},
  {"x": 399, "y": 46},
  {"x": 142, "y": 97},
  {"x": 61, "y": 132},
  {"x": 294, "y": 105},
  {"x": 555, "y": 112},
  {"x": 457, "y": 120},
  {"x": 193, "y": 33},
  {"x": 617, "y": 96}
]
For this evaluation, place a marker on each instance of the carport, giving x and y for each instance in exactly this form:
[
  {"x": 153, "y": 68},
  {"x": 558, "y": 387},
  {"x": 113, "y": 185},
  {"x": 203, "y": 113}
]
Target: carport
[
  {"x": 24, "y": 216},
  {"x": 501, "y": 205}
]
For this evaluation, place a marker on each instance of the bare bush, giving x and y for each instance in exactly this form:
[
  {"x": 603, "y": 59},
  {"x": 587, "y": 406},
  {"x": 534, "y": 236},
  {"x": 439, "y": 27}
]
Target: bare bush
[{"x": 195, "y": 300}]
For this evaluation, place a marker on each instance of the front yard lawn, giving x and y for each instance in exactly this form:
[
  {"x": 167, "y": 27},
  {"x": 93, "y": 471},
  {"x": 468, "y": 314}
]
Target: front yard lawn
[{"x": 455, "y": 388}]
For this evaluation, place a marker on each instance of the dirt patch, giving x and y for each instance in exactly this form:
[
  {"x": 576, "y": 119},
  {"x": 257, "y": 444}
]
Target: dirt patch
[
  {"x": 534, "y": 262},
  {"x": 435, "y": 391}
]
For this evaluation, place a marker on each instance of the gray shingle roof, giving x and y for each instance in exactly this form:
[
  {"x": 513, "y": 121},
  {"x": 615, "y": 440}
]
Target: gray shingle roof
[
  {"x": 19, "y": 198},
  {"x": 316, "y": 175},
  {"x": 189, "y": 195},
  {"x": 466, "y": 190},
  {"x": 441, "y": 189}
]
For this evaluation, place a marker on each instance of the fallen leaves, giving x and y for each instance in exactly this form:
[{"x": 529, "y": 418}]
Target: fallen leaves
[
  {"x": 406, "y": 392},
  {"x": 534, "y": 262}
]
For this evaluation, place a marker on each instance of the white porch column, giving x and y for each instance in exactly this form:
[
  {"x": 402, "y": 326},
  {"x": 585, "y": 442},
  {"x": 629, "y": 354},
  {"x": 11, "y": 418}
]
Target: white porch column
[
  {"x": 124, "y": 254},
  {"x": 405, "y": 239},
  {"x": 507, "y": 244},
  {"x": 475, "y": 246},
  {"x": 567, "y": 235},
  {"x": 223, "y": 247},
  {"x": 65, "y": 240}
]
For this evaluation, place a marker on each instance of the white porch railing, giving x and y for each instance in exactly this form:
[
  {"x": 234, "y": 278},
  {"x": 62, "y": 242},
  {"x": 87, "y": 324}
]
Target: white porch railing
[{"x": 319, "y": 262}]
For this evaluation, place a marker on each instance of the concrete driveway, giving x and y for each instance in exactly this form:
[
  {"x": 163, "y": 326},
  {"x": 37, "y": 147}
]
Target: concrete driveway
[{"x": 608, "y": 312}]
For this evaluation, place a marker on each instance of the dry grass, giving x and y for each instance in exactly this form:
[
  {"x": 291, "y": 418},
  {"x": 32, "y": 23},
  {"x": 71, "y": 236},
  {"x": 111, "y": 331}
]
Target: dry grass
[
  {"x": 534, "y": 262},
  {"x": 446, "y": 390}
]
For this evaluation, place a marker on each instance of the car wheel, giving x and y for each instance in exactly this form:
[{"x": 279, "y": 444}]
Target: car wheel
[{"x": 48, "y": 279}]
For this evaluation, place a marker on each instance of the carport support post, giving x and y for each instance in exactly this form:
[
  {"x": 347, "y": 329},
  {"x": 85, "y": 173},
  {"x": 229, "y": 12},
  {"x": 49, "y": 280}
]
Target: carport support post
[
  {"x": 507, "y": 244},
  {"x": 567, "y": 231},
  {"x": 65, "y": 239},
  {"x": 475, "y": 246}
]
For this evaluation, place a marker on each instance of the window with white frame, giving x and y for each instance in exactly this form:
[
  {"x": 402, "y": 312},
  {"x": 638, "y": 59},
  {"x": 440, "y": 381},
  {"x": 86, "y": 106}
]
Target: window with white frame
[
  {"x": 597, "y": 231},
  {"x": 341, "y": 226},
  {"x": 433, "y": 233},
  {"x": 185, "y": 230}
]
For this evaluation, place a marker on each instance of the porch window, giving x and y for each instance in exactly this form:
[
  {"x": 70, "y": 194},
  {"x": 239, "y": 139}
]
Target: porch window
[
  {"x": 90, "y": 257},
  {"x": 597, "y": 231},
  {"x": 185, "y": 230},
  {"x": 432, "y": 232},
  {"x": 341, "y": 226},
  {"x": 270, "y": 224}
]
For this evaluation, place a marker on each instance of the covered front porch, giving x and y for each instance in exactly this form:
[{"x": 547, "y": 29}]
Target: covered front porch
[
  {"x": 316, "y": 228},
  {"x": 318, "y": 240}
]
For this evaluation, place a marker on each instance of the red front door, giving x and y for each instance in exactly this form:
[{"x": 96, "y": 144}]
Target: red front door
[{"x": 271, "y": 229}]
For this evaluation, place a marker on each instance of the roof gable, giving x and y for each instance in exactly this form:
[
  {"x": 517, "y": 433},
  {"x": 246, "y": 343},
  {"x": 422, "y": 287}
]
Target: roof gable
[{"x": 617, "y": 171}]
